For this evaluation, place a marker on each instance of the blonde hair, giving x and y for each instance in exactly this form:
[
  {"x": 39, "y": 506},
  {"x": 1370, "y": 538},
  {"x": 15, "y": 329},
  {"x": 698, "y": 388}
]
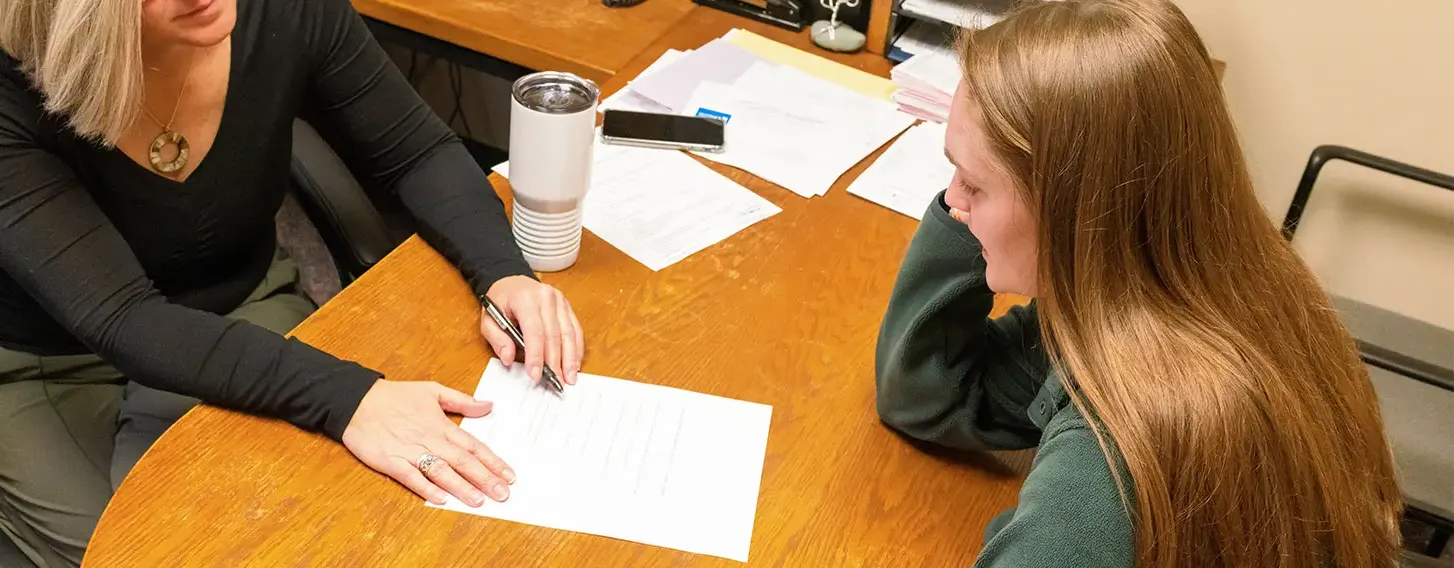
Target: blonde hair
[
  {"x": 1187, "y": 327},
  {"x": 83, "y": 55}
]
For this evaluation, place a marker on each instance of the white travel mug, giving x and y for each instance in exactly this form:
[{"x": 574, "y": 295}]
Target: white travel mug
[{"x": 552, "y": 135}]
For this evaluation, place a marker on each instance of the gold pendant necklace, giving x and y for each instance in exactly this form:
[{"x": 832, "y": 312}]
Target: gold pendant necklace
[{"x": 169, "y": 137}]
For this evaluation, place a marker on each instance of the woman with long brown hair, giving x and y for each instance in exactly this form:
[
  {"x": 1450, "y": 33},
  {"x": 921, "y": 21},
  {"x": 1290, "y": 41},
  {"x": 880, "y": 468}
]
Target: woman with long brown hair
[{"x": 1195, "y": 400}]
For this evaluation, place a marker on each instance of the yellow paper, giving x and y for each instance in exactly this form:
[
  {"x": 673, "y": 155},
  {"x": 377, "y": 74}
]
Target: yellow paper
[{"x": 858, "y": 80}]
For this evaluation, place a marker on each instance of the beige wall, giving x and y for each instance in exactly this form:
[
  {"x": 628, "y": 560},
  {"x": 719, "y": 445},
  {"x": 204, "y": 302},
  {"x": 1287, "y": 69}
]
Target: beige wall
[{"x": 1376, "y": 75}]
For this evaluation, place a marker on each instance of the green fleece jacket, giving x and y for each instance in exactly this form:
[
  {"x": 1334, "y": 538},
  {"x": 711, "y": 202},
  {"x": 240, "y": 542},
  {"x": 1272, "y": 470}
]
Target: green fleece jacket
[{"x": 950, "y": 375}]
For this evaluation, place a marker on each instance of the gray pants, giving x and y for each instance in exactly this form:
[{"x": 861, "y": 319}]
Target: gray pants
[{"x": 72, "y": 426}]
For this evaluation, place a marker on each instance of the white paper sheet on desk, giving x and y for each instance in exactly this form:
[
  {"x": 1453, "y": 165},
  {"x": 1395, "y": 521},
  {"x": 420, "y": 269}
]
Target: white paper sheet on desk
[
  {"x": 626, "y": 460},
  {"x": 661, "y": 206},
  {"x": 857, "y": 80},
  {"x": 628, "y": 99},
  {"x": 770, "y": 141},
  {"x": 909, "y": 174},
  {"x": 794, "y": 129},
  {"x": 718, "y": 61}
]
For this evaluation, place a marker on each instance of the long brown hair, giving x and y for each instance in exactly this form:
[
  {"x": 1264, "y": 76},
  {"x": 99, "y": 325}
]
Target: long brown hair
[{"x": 1187, "y": 328}]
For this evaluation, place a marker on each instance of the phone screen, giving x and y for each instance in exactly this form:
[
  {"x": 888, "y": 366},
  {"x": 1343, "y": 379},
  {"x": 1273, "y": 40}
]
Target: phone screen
[{"x": 663, "y": 128}]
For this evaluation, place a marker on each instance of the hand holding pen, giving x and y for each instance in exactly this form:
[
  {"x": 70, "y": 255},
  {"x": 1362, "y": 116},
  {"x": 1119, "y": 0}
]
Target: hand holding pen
[{"x": 520, "y": 314}]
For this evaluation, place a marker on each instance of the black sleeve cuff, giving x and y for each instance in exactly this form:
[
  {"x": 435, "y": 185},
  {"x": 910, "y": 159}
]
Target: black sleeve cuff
[
  {"x": 481, "y": 281},
  {"x": 343, "y": 397}
]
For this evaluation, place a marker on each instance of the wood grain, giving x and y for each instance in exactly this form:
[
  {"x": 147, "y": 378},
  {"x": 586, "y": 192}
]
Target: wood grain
[
  {"x": 784, "y": 313},
  {"x": 878, "y": 25},
  {"x": 579, "y": 36}
]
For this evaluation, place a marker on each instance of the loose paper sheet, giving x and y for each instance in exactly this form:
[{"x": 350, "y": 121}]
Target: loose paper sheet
[
  {"x": 858, "y": 80},
  {"x": 717, "y": 60},
  {"x": 627, "y": 460},
  {"x": 794, "y": 129},
  {"x": 660, "y": 206},
  {"x": 909, "y": 174},
  {"x": 628, "y": 99}
]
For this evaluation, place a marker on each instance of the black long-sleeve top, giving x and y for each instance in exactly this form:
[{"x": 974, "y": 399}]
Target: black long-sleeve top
[{"x": 98, "y": 254}]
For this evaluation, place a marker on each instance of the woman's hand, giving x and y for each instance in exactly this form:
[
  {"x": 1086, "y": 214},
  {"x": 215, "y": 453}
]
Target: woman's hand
[
  {"x": 550, "y": 328},
  {"x": 398, "y": 424}
]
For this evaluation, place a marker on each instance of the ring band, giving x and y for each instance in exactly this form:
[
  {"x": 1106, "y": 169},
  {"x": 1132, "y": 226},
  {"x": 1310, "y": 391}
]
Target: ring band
[{"x": 426, "y": 461}]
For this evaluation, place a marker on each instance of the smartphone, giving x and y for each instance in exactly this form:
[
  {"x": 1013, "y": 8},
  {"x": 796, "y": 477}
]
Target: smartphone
[{"x": 670, "y": 131}]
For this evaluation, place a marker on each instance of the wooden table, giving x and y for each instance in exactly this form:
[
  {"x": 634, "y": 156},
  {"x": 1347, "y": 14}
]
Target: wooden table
[
  {"x": 580, "y": 36},
  {"x": 784, "y": 313}
]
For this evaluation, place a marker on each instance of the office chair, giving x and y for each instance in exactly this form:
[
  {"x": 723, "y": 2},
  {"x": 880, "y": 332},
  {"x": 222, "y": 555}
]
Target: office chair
[
  {"x": 347, "y": 217},
  {"x": 10, "y": 555},
  {"x": 1411, "y": 364}
]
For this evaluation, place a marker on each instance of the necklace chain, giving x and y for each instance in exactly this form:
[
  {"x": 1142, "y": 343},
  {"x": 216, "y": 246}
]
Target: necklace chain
[{"x": 185, "y": 82}]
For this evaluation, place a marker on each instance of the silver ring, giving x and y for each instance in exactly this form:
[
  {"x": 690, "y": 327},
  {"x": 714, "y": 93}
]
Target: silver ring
[{"x": 426, "y": 461}]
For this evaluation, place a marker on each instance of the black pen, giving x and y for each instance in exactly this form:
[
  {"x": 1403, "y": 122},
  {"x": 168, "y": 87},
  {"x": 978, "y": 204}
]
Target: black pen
[{"x": 514, "y": 333}]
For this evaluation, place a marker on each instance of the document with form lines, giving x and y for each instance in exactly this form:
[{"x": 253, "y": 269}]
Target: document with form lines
[{"x": 627, "y": 460}]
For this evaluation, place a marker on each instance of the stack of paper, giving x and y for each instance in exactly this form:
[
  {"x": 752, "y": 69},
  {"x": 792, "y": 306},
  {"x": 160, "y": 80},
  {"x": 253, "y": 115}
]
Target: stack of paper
[
  {"x": 926, "y": 85},
  {"x": 795, "y": 119},
  {"x": 627, "y": 460},
  {"x": 974, "y": 14},
  {"x": 909, "y": 174},
  {"x": 661, "y": 206}
]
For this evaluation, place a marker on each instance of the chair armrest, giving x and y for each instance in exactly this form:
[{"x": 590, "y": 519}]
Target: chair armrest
[
  {"x": 1326, "y": 153},
  {"x": 1403, "y": 345},
  {"x": 10, "y": 554},
  {"x": 352, "y": 228}
]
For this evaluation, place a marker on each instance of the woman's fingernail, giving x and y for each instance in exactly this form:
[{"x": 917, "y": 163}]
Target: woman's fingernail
[
  {"x": 509, "y": 476},
  {"x": 437, "y": 498},
  {"x": 535, "y": 372},
  {"x": 500, "y": 492},
  {"x": 477, "y": 499}
]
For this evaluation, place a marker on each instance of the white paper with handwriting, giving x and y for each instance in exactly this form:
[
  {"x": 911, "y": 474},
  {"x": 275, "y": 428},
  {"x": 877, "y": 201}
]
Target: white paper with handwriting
[{"x": 628, "y": 460}]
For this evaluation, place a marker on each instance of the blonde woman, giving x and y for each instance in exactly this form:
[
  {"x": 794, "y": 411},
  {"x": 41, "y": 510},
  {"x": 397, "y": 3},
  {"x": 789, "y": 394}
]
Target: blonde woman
[
  {"x": 1195, "y": 400},
  {"x": 145, "y": 147}
]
